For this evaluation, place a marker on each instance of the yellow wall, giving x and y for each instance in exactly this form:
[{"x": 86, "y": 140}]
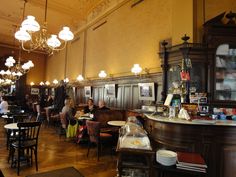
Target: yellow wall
[
  {"x": 37, "y": 73},
  {"x": 56, "y": 66},
  {"x": 132, "y": 35},
  {"x": 182, "y": 20},
  {"x": 212, "y": 9}
]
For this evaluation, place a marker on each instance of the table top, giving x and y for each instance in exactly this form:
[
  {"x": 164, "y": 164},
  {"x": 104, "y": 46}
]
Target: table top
[
  {"x": 116, "y": 123},
  {"x": 12, "y": 126}
]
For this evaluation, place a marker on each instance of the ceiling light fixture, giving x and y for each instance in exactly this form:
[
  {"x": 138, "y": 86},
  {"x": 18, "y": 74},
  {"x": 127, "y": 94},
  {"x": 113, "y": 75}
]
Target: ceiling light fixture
[
  {"x": 80, "y": 78},
  {"x": 102, "y": 74},
  {"x": 15, "y": 70},
  {"x": 55, "y": 81},
  {"x": 136, "y": 69},
  {"x": 30, "y": 28}
]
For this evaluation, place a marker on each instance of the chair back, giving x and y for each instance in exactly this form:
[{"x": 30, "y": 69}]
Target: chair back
[
  {"x": 20, "y": 118},
  {"x": 28, "y": 132},
  {"x": 63, "y": 120},
  {"x": 93, "y": 129},
  {"x": 1, "y": 174}
]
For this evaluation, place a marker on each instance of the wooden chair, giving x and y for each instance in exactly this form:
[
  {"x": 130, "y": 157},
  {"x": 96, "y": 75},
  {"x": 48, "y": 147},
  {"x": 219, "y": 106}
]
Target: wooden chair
[
  {"x": 1, "y": 174},
  {"x": 41, "y": 115},
  {"x": 11, "y": 135},
  {"x": 27, "y": 142},
  {"x": 96, "y": 137},
  {"x": 64, "y": 125}
]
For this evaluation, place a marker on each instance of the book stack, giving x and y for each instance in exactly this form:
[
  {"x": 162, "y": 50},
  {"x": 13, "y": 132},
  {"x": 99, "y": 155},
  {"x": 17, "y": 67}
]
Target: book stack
[{"x": 191, "y": 162}]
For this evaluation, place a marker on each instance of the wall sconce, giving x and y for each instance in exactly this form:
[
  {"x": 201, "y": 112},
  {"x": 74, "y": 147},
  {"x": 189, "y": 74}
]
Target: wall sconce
[
  {"x": 66, "y": 80},
  {"x": 31, "y": 83},
  {"x": 47, "y": 83},
  {"x": 55, "y": 81},
  {"x": 102, "y": 74},
  {"x": 41, "y": 83},
  {"x": 80, "y": 78},
  {"x": 136, "y": 69}
]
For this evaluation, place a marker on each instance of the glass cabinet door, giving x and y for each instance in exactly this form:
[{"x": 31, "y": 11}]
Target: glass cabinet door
[{"x": 225, "y": 73}]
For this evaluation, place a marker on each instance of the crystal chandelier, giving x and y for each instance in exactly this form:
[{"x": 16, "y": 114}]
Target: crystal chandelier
[
  {"x": 32, "y": 36},
  {"x": 14, "y": 70}
]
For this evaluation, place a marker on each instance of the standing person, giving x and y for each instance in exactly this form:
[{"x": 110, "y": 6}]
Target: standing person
[
  {"x": 90, "y": 108},
  {"x": 60, "y": 95},
  {"x": 3, "y": 105}
]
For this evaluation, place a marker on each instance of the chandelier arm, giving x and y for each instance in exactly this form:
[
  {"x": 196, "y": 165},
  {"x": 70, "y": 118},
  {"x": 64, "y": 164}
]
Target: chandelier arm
[
  {"x": 46, "y": 9},
  {"x": 29, "y": 49},
  {"x": 59, "y": 48}
]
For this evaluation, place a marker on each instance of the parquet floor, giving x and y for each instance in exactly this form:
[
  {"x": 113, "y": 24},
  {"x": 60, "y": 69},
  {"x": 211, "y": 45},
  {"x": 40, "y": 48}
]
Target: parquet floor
[{"x": 55, "y": 153}]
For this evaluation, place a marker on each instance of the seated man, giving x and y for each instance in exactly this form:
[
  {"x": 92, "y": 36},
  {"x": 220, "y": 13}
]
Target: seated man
[{"x": 102, "y": 105}]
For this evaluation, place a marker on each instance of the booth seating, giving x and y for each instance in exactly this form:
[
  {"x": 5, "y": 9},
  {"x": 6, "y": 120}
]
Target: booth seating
[{"x": 104, "y": 116}]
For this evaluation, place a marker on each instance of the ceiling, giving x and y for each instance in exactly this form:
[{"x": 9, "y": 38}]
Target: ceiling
[{"x": 60, "y": 13}]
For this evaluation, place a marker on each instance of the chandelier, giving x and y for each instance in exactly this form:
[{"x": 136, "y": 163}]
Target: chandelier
[
  {"x": 14, "y": 70},
  {"x": 32, "y": 36}
]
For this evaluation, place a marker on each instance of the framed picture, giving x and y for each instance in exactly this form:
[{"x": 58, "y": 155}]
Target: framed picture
[
  {"x": 146, "y": 91},
  {"x": 34, "y": 91},
  {"x": 88, "y": 91},
  {"x": 110, "y": 90}
]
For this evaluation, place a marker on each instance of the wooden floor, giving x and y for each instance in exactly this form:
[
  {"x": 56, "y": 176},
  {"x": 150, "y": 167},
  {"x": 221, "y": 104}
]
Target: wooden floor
[{"x": 55, "y": 153}]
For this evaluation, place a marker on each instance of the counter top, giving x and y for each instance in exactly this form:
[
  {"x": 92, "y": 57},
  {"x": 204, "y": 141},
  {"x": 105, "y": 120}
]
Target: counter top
[{"x": 191, "y": 122}]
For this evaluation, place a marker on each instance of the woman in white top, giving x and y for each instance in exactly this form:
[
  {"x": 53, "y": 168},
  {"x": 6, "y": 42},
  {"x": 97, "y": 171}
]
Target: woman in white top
[{"x": 3, "y": 105}]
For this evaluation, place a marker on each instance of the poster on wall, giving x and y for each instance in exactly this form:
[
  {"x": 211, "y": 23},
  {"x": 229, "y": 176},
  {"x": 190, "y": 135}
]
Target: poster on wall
[
  {"x": 34, "y": 91},
  {"x": 146, "y": 91},
  {"x": 110, "y": 90},
  {"x": 88, "y": 91}
]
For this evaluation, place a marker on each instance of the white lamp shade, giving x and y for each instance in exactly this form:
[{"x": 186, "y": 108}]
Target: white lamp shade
[
  {"x": 30, "y": 64},
  {"x": 47, "y": 83},
  {"x": 80, "y": 77},
  {"x": 55, "y": 81},
  {"x": 53, "y": 41},
  {"x": 2, "y": 72},
  {"x": 41, "y": 83},
  {"x": 22, "y": 35},
  {"x": 65, "y": 34},
  {"x": 102, "y": 74},
  {"x": 25, "y": 66},
  {"x": 10, "y": 60},
  {"x": 8, "y": 72},
  {"x": 66, "y": 80},
  {"x": 30, "y": 24},
  {"x": 136, "y": 69}
]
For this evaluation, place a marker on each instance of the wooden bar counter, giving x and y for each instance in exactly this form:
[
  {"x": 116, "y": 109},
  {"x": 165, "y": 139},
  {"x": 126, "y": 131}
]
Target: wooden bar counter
[{"x": 214, "y": 140}]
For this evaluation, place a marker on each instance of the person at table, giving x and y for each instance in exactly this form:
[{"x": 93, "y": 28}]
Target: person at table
[
  {"x": 49, "y": 101},
  {"x": 3, "y": 105},
  {"x": 102, "y": 105},
  {"x": 90, "y": 108}
]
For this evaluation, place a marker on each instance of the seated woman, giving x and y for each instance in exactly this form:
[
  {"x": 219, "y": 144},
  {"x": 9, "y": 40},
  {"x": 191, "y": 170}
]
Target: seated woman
[
  {"x": 3, "y": 105},
  {"x": 90, "y": 108}
]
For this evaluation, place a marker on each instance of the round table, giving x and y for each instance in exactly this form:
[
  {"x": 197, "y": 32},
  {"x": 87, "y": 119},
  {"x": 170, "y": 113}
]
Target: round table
[
  {"x": 118, "y": 123},
  {"x": 12, "y": 126}
]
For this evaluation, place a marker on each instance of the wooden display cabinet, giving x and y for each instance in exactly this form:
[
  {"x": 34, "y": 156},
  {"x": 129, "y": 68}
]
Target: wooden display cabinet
[
  {"x": 220, "y": 37},
  {"x": 172, "y": 63}
]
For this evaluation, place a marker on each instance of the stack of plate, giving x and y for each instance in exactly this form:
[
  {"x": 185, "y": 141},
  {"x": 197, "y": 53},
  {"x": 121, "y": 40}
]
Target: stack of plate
[{"x": 166, "y": 157}]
